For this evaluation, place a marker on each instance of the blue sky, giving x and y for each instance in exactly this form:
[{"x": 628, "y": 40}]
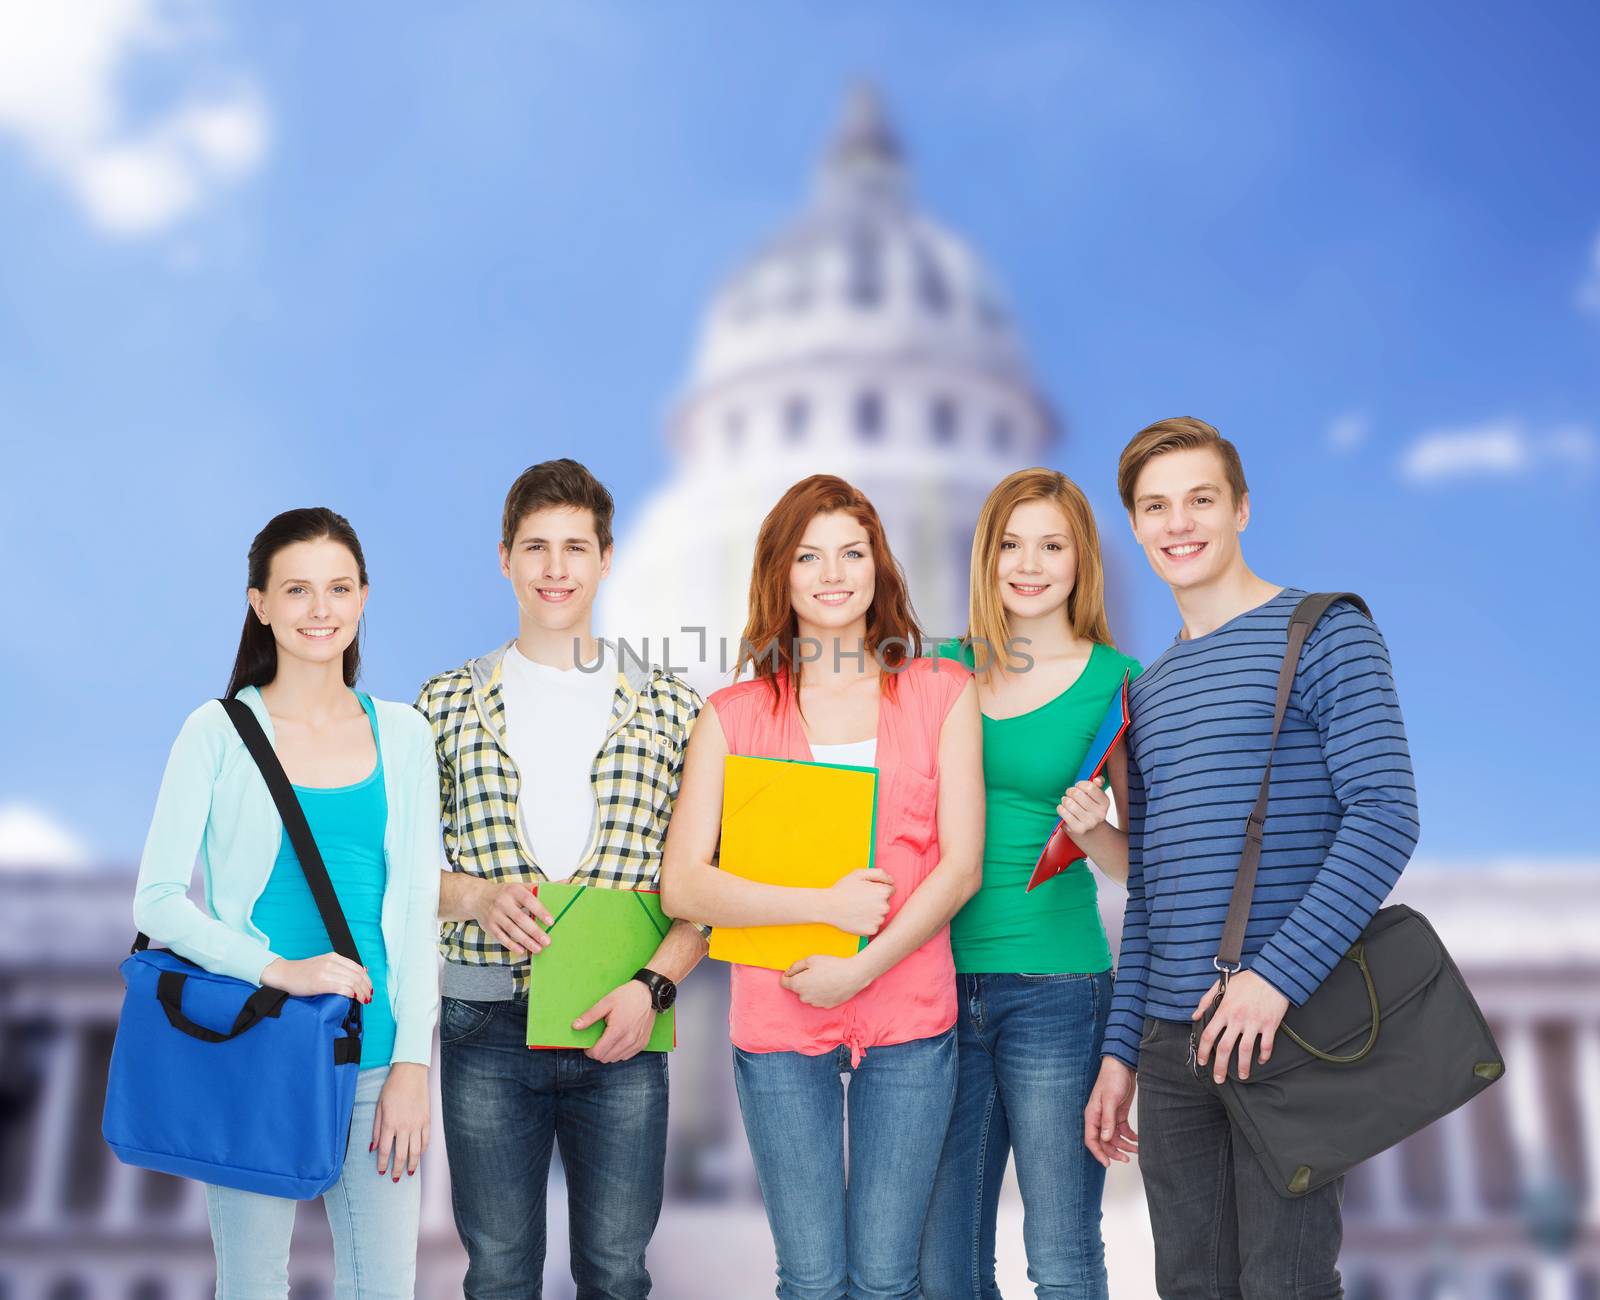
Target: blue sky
[{"x": 383, "y": 262}]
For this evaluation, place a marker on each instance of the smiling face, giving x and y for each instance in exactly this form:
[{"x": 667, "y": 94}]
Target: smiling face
[
  {"x": 1038, "y": 563},
  {"x": 1186, "y": 519},
  {"x": 831, "y": 578},
  {"x": 555, "y": 566},
  {"x": 312, "y": 600}
]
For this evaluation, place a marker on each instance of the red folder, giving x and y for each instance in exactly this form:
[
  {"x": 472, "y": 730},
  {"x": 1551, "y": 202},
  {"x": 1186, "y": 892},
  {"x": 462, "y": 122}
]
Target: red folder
[{"x": 1059, "y": 850}]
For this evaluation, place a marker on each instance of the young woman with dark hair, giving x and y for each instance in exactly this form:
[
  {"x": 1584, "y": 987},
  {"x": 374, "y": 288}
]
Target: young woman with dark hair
[
  {"x": 364, "y": 773},
  {"x": 839, "y": 679}
]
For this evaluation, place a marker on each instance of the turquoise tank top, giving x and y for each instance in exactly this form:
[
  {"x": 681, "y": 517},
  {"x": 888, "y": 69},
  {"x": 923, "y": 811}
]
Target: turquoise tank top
[{"x": 348, "y": 823}]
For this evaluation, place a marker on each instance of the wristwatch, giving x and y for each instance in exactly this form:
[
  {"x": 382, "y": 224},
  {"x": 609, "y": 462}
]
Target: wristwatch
[{"x": 663, "y": 992}]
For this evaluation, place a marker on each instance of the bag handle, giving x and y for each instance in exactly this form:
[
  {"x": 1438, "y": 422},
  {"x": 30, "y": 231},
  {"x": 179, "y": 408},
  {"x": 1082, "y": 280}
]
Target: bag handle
[
  {"x": 264, "y": 1002},
  {"x": 1301, "y": 622}
]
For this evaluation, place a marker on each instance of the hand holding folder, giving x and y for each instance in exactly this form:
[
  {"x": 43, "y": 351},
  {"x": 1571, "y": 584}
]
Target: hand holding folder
[
  {"x": 598, "y": 939},
  {"x": 798, "y": 824},
  {"x": 1060, "y": 851}
]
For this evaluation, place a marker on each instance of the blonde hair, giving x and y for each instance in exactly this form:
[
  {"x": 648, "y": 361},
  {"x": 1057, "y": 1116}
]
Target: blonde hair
[{"x": 988, "y": 627}]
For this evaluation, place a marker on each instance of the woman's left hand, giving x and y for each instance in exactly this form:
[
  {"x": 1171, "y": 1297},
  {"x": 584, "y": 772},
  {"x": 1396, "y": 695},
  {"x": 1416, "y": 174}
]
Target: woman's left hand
[
  {"x": 824, "y": 981},
  {"x": 400, "y": 1126}
]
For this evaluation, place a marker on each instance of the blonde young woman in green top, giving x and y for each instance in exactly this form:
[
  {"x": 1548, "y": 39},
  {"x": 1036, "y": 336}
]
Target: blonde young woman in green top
[{"x": 1033, "y": 969}]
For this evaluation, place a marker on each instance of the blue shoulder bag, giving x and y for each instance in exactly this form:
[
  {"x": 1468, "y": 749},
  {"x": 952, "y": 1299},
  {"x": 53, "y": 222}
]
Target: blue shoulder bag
[{"x": 216, "y": 1079}]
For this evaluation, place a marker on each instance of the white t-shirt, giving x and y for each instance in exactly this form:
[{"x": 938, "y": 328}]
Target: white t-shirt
[
  {"x": 556, "y": 720},
  {"x": 858, "y": 753}
]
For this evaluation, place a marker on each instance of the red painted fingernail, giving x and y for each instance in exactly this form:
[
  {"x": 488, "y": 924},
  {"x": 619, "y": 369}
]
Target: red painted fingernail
[
  {"x": 372, "y": 1146},
  {"x": 411, "y": 1173},
  {"x": 397, "y": 1178}
]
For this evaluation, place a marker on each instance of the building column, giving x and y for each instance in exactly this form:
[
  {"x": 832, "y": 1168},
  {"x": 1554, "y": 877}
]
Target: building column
[
  {"x": 1388, "y": 1187},
  {"x": 1525, "y": 1099},
  {"x": 1586, "y": 1063},
  {"x": 1531, "y": 1137},
  {"x": 1463, "y": 1196},
  {"x": 43, "y": 1211}
]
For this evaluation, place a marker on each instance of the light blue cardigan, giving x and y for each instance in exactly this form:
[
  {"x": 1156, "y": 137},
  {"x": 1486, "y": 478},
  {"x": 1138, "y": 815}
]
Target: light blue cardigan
[{"x": 214, "y": 803}]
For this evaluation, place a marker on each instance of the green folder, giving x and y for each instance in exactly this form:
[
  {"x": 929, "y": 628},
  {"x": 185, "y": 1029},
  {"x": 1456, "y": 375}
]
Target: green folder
[{"x": 598, "y": 939}]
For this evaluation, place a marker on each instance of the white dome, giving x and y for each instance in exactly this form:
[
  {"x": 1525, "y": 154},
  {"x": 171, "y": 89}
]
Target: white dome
[
  {"x": 861, "y": 271},
  {"x": 864, "y": 341},
  {"x": 861, "y": 279}
]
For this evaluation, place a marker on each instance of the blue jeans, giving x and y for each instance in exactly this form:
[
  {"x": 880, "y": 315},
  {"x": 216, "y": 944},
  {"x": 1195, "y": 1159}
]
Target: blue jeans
[
  {"x": 373, "y": 1218},
  {"x": 1029, "y": 1053},
  {"x": 504, "y": 1106},
  {"x": 855, "y": 1241}
]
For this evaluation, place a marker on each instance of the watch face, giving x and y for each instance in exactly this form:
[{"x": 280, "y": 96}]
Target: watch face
[{"x": 664, "y": 995}]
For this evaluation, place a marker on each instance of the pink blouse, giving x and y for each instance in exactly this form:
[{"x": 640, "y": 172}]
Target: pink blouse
[{"x": 917, "y": 998}]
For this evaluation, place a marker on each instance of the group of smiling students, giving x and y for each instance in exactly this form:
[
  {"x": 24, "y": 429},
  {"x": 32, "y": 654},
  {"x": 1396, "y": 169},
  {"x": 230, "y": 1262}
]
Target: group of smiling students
[{"x": 981, "y": 1021}]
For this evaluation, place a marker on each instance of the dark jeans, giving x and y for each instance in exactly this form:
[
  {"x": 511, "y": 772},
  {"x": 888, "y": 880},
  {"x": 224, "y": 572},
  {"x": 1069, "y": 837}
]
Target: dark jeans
[
  {"x": 1220, "y": 1228},
  {"x": 503, "y": 1106},
  {"x": 1029, "y": 1050},
  {"x": 833, "y": 1241}
]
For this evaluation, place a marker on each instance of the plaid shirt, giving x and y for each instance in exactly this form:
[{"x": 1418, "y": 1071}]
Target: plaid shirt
[{"x": 635, "y": 779}]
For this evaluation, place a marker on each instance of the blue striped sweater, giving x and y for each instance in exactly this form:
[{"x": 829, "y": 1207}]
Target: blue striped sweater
[{"x": 1341, "y": 821}]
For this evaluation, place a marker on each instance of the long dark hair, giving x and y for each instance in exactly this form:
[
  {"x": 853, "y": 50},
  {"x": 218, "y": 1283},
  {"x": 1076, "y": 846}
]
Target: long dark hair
[{"x": 257, "y": 661}]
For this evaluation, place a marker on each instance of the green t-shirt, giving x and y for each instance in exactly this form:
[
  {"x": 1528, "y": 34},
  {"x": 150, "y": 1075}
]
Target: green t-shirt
[{"x": 1028, "y": 763}]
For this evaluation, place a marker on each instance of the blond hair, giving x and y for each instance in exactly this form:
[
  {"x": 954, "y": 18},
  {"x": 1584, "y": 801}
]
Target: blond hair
[{"x": 988, "y": 627}]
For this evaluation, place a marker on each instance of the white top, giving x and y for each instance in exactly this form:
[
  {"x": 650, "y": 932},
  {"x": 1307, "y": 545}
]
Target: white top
[
  {"x": 859, "y": 753},
  {"x": 556, "y": 721}
]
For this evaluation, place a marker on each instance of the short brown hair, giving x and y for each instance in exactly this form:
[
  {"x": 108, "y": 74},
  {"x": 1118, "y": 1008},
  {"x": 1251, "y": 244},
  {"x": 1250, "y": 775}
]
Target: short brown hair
[
  {"x": 557, "y": 483},
  {"x": 1181, "y": 433}
]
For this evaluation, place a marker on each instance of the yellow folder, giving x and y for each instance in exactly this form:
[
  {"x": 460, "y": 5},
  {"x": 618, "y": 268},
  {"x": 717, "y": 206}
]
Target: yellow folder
[{"x": 793, "y": 823}]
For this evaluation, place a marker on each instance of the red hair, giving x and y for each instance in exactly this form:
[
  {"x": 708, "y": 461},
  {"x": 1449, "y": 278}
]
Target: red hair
[{"x": 772, "y": 627}]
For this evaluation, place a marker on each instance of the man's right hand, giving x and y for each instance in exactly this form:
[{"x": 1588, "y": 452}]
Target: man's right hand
[
  {"x": 858, "y": 903},
  {"x": 329, "y": 973},
  {"x": 512, "y": 914},
  {"x": 1106, "y": 1131}
]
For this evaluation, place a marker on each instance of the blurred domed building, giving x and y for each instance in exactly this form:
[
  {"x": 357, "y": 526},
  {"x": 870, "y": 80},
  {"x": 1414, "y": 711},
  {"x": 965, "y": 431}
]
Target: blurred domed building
[{"x": 864, "y": 340}]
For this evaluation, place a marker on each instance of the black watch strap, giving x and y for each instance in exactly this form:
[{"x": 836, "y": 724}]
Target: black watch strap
[{"x": 663, "y": 992}]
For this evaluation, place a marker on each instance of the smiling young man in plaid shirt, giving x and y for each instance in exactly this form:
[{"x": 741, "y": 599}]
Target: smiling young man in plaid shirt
[{"x": 552, "y": 770}]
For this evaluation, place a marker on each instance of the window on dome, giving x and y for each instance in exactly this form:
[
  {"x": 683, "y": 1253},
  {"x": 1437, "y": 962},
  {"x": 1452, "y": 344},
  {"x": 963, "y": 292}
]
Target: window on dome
[
  {"x": 943, "y": 422},
  {"x": 869, "y": 416},
  {"x": 931, "y": 289},
  {"x": 796, "y": 416},
  {"x": 733, "y": 429},
  {"x": 797, "y": 293},
  {"x": 865, "y": 286},
  {"x": 1001, "y": 434}
]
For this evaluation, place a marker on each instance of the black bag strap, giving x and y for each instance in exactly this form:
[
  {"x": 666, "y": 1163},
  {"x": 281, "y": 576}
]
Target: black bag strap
[
  {"x": 294, "y": 822},
  {"x": 1305, "y": 617}
]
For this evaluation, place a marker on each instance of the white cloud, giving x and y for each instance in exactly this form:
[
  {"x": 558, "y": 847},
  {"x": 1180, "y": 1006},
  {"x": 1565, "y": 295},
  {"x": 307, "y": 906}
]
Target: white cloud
[
  {"x": 61, "y": 69},
  {"x": 1349, "y": 431},
  {"x": 31, "y": 838},
  {"x": 1501, "y": 449},
  {"x": 1589, "y": 290}
]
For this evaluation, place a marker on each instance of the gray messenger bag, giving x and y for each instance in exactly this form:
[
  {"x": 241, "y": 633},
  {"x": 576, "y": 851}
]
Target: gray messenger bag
[{"x": 1388, "y": 1043}]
